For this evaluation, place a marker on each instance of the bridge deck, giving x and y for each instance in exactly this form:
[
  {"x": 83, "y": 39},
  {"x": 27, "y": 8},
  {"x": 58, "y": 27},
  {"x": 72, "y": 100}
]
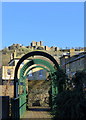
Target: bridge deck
[{"x": 36, "y": 113}]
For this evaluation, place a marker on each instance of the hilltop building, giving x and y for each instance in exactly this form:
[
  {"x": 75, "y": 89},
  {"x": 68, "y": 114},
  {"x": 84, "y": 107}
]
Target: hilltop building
[{"x": 37, "y": 43}]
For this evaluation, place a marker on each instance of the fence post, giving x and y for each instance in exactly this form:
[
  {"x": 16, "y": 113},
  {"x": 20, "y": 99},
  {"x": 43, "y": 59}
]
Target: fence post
[
  {"x": 15, "y": 109},
  {"x": 4, "y": 107}
]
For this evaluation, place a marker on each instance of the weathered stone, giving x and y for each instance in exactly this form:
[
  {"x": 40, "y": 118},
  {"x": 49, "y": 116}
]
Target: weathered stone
[{"x": 38, "y": 93}]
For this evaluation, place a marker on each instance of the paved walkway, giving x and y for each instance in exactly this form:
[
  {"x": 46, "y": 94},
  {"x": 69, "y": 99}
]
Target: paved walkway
[{"x": 37, "y": 113}]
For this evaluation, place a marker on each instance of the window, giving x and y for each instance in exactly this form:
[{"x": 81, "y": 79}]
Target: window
[
  {"x": 41, "y": 73},
  {"x": 8, "y": 71}
]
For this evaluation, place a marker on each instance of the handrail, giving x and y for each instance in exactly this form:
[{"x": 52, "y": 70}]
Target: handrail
[
  {"x": 16, "y": 98},
  {"x": 19, "y": 96}
]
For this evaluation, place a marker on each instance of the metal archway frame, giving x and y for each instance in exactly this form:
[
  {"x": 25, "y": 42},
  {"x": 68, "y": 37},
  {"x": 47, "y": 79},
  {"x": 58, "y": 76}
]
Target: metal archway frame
[
  {"x": 50, "y": 74},
  {"x": 36, "y": 61},
  {"x": 32, "y": 54},
  {"x": 27, "y": 56},
  {"x": 34, "y": 68},
  {"x": 30, "y": 63},
  {"x": 22, "y": 97},
  {"x": 16, "y": 115}
]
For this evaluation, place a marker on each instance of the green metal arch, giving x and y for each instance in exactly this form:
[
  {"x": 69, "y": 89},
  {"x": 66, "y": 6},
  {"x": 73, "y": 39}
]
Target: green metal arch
[
  {"x": 28, "y": 55},
  {"x": 36, "y": 61},
  {"x": 36, "y": 67},
  {"x": 22, "y": 97},
  {"x": 19, "y": 101}
]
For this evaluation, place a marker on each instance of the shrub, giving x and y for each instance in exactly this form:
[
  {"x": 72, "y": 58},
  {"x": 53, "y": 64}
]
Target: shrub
[{"x": 71, "y": 104}]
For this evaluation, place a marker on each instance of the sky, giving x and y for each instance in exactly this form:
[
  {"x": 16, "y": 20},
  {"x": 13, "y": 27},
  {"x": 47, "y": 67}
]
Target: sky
[{"x": 58, "y": 24}]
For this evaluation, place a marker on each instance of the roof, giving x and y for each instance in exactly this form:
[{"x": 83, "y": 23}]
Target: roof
[
  {"x": 16, "y": 59},
  {"x": 76, "y": 57}
]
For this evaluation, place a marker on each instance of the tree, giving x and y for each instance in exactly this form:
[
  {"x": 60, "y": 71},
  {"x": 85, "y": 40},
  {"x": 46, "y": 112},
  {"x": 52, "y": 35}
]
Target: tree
[{"x": 60, "y": 82}]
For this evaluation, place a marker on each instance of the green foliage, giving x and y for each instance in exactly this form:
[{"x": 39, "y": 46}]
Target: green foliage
[
  {"x": 5, "y": 59},
  {"x": 71, "y": 104},
  {"x": 79, "y": 80},
  {"x": 22, "y": 51},
  {"x": 50, "y": 97},
  {"x": 61, "y": 80},
  {"x": 6, "y": 52}
]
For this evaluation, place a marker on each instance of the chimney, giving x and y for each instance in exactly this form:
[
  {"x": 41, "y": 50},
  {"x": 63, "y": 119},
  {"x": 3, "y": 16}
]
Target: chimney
[
  {"x": 14, "y": 54},
  {"x": 72, "y": 52}
]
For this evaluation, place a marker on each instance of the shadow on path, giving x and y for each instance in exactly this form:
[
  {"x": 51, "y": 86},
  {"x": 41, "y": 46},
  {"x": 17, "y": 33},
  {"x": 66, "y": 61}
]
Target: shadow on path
[{"x": 39, "y": 109}]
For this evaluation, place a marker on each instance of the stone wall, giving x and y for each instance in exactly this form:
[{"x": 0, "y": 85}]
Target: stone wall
[
  {"x": 38, "y": 93},
  {"x": 7, "y": 90}
]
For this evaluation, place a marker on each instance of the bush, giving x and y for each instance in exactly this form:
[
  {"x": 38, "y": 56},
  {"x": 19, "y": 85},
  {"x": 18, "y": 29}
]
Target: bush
[{"x": 71, "y": 104}]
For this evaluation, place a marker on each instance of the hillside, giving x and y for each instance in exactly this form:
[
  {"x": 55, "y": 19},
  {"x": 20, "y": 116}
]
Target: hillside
[
  {"x": 21, "y": 50},
  {"x": 6, "y": 52}
]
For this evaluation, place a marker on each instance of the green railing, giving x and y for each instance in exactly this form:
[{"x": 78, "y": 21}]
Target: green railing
[
  {"x": 22, "y": 105},
  {"x": 18, "y": 107}
]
